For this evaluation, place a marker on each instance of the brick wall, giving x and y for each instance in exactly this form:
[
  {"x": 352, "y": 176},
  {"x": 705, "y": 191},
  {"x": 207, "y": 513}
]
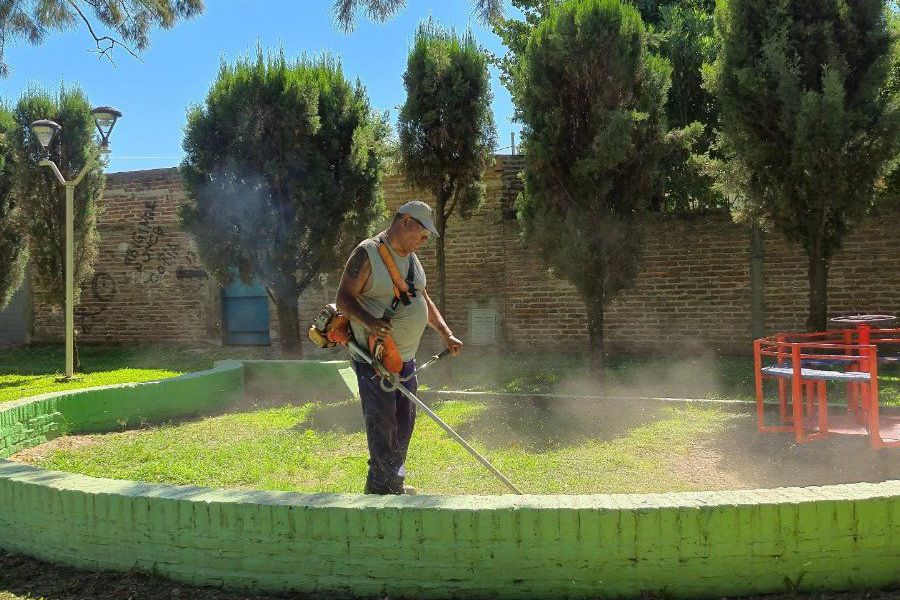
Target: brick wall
[
  {"x": 863, "y": 277},
  {"x": 692, "y": 289},
  {"x": 28, "y": 424},
  {"x": 148, "y": 285}
]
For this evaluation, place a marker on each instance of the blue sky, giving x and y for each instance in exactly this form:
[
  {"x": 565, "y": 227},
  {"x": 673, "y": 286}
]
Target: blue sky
[{"x": 179, "y": 66}]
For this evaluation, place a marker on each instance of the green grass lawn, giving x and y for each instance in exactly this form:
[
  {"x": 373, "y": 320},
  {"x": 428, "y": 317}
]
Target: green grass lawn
[
  {"x": 30, "y": 371},
  {"x": 322, "y": 448}
]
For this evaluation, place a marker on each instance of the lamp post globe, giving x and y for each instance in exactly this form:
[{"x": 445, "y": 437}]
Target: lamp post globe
[
  {"x": 44, "y": 130},
  {"x": 105, "y": 118}
]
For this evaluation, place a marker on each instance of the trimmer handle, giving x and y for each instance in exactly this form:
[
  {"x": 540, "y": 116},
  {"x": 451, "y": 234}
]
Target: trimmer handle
[{"x": 442, "y": 354}]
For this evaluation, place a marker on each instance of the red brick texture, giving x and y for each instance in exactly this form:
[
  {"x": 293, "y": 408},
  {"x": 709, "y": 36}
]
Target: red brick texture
[
  {"x": 148, "y": 285},
  {"x": 693, "y": 284}
]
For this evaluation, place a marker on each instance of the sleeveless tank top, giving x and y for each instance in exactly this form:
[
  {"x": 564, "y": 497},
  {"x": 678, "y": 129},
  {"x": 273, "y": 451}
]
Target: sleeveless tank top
[{"x": 408, "y": 321}]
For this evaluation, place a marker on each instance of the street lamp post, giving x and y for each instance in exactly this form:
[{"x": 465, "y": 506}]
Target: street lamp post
[{"x": 105, "y": 118}]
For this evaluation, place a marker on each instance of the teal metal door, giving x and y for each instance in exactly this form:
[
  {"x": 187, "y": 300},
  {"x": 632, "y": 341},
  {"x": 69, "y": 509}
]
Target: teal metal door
[{"x": 245, "y": 314}]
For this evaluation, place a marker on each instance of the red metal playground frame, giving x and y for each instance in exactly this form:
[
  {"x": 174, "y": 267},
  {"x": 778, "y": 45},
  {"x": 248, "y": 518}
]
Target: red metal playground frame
[{"x": 808, "y": 362}]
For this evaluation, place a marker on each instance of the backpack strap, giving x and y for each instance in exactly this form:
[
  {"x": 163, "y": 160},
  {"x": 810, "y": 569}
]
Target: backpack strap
[{"x": 402, "y": 289}]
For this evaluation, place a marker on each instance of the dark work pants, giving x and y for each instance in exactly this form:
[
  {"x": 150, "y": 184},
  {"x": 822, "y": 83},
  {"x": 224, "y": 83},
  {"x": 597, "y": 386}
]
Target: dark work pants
[{"x": 390, "y": 418}]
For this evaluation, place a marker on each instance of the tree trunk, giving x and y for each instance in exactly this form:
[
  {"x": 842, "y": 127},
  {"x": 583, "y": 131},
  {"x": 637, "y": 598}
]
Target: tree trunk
[
  {"x": 757, "y": 283},
  {"x": 817, "y": 320},
  {"x": 440, "y": 256},
  {"x": 286, "y": 305},
  {"x": 76, "y": 360},
  {"x": 595, "y": 336}
]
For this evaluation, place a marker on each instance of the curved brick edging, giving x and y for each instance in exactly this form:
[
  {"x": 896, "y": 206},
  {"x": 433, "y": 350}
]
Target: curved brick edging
[
  {"x": 687, "y": 545},
  {"x": 32, "y": 421}
]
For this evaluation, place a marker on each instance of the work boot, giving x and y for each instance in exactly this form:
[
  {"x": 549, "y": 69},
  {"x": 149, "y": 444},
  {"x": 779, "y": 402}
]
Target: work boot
[
  {"x": 393, "y": 487},
  {"x": 376, "y": 488}
]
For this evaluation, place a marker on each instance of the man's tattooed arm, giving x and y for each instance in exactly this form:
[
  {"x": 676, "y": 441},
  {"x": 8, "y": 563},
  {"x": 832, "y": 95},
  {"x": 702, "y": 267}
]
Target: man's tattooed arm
[
  {"x": 356, "y": 273},
  {"x": 358, "y": 260}
]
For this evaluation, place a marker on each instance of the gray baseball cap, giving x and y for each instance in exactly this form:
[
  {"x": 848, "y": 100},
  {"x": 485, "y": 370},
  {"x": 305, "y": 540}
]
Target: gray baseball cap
[{"x": 421, "y": 212}]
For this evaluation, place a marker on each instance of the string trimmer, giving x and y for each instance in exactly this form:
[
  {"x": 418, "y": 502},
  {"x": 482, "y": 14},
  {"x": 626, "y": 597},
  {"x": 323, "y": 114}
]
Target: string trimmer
[{"x": 332, "y": 328}]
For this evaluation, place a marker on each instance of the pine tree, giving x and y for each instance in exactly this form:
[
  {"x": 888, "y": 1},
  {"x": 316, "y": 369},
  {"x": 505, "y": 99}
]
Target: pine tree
[
  {"x": 682, "y": 31},
  {"x": 446, "y": 127},
  {"x": 592, "y": 99},
  {"x": 382, "y": 10},
  {"x": 127, "y": 23},
  {"x": 13, "y": 249},
  {"x": 283, "y": 170},
  {"x": 804, "y": 116}
]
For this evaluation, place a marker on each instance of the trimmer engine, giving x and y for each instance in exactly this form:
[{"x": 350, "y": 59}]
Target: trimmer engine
[{"x": 330, "y": 328}]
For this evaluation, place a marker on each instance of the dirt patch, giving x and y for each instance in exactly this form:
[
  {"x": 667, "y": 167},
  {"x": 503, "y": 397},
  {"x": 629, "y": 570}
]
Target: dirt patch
[
  {"x": 701, "y": 468},
  {"x": 742, "y": 458},
  {"x": 766, "y": 460},
  {"x": 35, "y": 455}
]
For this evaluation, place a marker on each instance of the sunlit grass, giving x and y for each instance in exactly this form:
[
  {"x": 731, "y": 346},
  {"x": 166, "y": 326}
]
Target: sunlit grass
[
  {"x": 14, "y": 387},
  {"x": 31, "y": 371},
  {"x": 316, "y": 448}
]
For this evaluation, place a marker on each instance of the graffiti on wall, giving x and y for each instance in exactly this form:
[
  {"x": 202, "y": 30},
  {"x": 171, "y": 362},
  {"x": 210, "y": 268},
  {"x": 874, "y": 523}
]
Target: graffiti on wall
[
  {"x": 192, "y": 275},
  {"x": 101, "y": 292},
  {"x": 150, "y": 257}
]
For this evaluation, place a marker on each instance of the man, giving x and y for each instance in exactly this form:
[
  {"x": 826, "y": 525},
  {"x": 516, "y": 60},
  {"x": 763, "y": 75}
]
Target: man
[{"x": 368, "y": 295}]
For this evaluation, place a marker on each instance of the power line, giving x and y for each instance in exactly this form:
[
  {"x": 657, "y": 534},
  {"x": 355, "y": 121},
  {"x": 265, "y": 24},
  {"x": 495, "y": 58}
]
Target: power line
[{"x": 143, "y": 157}]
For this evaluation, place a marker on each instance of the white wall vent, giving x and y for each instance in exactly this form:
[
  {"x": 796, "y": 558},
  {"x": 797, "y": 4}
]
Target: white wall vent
[{"x": 482, "y": 326}]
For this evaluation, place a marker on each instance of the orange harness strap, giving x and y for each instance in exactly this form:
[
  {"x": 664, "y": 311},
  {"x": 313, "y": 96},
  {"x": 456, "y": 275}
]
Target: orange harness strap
[
  {"x": 383, "y": 349},
  {"x": 400, "y": 285}
]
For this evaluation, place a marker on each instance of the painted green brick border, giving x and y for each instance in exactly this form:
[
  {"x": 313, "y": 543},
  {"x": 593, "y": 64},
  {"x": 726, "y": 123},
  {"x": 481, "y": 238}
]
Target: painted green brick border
[
  {"x": 32, "y": 421},
  {"x": 689, "y": 545},
  {"x": 329, "y": 380}
]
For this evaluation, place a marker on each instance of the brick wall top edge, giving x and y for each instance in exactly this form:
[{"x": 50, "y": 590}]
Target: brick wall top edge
[
  {"x": 861, "y": 491},
  {"x": 124, "y": 177}
]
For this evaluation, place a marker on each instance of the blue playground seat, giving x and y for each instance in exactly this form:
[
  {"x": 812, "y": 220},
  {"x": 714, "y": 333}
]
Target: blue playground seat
[{"x": 816, "y": 374}]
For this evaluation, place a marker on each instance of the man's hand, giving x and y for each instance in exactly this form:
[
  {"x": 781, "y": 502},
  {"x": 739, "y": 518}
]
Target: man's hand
[{"x": 454, "y": 345}]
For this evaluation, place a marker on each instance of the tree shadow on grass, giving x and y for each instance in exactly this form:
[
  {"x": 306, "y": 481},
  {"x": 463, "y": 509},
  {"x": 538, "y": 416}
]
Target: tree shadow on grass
[{"x": 21, "y": 381}]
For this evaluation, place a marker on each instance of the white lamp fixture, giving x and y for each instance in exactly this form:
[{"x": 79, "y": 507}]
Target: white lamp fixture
[
  {"x": 105, "y": 118},
  {"x": 44, "y": 130}
]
